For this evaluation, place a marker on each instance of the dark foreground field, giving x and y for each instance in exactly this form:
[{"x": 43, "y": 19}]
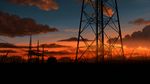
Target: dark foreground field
[
  {"x": 128, "y": 62},
  {"x": 68, "y": 61},
  {"x": 108, "y": 69}
]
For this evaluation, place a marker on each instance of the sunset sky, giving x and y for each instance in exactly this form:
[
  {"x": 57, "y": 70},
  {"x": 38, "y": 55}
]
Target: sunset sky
[{"x": 63, "y": 15}]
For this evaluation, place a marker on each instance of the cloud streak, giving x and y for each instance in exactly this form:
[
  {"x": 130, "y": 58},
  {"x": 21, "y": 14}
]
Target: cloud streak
[
  {"x": 140, "y": 21},
  {"x": 53, "y": 46},
  {"x": 13, "y": 26},
  {"x": 45, "y": 5},
  {"x": 8, "y": 51},
  {"x": 58, "y": 53},
  {"x": 7, "y": 45},
  {"x": 73, "y": 39},
  {"x": 138, "y": 38}
]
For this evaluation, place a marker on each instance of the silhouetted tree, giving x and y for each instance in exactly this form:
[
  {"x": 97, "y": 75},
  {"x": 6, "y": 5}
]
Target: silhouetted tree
[
  {"x": 52, "y": 60},
  {"x": 65, "y": 60}
]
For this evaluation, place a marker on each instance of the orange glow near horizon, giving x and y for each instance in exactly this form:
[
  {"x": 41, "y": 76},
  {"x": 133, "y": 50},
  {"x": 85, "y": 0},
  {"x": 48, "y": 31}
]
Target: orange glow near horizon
[{"x": 129, "y": 52}]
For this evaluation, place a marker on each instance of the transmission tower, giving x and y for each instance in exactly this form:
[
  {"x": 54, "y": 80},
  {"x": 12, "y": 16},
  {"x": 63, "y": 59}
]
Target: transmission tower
[
  {"x": 30, "y": 49},
  {"x": 38, "y": 54},
  {"x": 100, "y": 22}
]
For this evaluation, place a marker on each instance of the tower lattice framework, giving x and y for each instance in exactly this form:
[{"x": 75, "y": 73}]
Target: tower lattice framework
[{"x": 99, "y": 22}]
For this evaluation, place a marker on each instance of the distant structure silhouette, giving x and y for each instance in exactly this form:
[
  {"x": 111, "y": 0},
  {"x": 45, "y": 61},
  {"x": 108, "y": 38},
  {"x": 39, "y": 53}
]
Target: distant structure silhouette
[
  {"x": 100, "y": 22},
  {"x": 38, "y": 50},
  {"x": 43, "y": 54},
  {"x": 30, "y": 52},
  {"x": 36, "y": 53}
]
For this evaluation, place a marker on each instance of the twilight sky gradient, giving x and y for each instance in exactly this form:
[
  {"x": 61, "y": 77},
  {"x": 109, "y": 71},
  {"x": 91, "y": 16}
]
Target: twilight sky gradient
[{"x": 66, "y": 18}]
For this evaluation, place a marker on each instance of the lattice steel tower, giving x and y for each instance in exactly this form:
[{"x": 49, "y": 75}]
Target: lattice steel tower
[{"x": 100, "y": 22}]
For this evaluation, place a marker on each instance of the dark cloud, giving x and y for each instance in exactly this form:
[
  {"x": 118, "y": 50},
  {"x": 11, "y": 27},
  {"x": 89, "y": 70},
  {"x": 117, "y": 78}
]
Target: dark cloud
[
  {"x": 65, "y": 60},
  {"x": 58, "y": 53},
  {"x": 7, "y": 45},
  {"x": 140, "y": 21},
  {"x": 7, "y": 51},
  {"x": 53, "y": 45},
  {"x": 12, "y": 26},
  {"x": 138, "y": 38},
  {"x": 74, "y": 39},
  {"x": 42, "y": 4}
]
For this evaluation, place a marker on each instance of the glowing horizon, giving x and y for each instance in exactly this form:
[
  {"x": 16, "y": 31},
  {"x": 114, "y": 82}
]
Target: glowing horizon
[{"x": 55, "y": 23}]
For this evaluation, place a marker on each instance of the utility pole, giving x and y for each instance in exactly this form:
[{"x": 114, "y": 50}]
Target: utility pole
[
  {"x": 38, "y": 51},
  {"x": 43, "y": 54}
]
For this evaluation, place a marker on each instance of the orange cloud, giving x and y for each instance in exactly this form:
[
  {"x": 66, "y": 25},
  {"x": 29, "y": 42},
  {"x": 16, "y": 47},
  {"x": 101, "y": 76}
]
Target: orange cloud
[
  {"x": 73, "y": 39},
  {"x": 108, "y": 11},
  {"x": 12, "y": 26},
  {"x": 42, "y": 4},
  {"x": 53, "y": 46},
  {"x": 137, "y": 38},
  {"x": 140, "y": 21}
]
